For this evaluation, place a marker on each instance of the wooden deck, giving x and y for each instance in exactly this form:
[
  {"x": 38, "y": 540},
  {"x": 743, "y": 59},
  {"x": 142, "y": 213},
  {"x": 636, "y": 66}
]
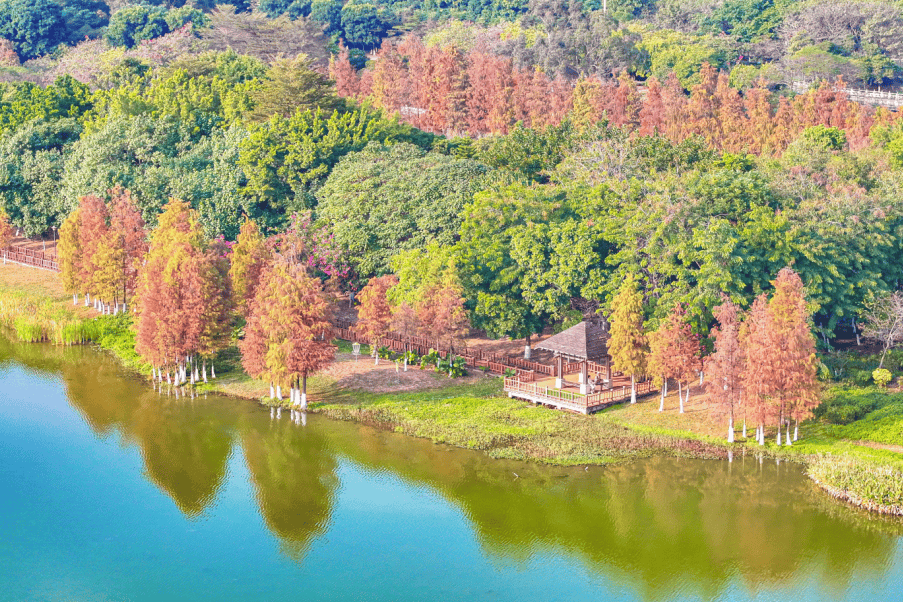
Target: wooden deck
[{"x": 569, "y": 397}]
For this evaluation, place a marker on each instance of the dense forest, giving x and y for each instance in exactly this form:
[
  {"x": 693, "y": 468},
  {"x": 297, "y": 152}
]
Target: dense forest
[{"x": 538, "y": 152}]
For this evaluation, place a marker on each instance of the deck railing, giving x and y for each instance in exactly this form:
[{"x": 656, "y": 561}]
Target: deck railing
[{"x": 546, "y": 394}]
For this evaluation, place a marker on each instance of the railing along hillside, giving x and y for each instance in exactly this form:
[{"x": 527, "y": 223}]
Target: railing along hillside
[{"x": 31, "y": 258}]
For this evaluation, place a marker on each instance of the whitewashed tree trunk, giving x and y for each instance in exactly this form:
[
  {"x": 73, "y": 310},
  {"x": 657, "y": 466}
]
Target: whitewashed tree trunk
[
  {"x": 730, "y": 430},
  {"x": 632, "y": 389},
  {"x": 701, "y": 377},
  {"x": 796, "y": 431},
  {"x": 74, "y": 298},
  {"x": 87, "y": 299},
  {"x": 279, "y": 392},
  {"x": 680, "y": 395},
  {"x": 761, "y": 435},
  {"x": 304, "y": 397},
  {"x": 789, "y": 442},
  {"x": 272, "y": 391},
  {"x": 744, "y": 428},
  {"x": 197, "y": 376},
  {"x": 661, "y": 405},
  {"x": 212, "y": 371},
  {"x": 204, "y": 370},
  {"x": 778, "y": 440}
]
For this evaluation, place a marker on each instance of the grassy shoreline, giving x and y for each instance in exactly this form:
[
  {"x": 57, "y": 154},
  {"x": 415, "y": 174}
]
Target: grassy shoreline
[{"x": 477, "y": 415}]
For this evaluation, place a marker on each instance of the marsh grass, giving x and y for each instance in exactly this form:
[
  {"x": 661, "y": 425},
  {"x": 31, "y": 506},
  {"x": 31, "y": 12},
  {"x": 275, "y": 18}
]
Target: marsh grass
[
  {"x": 878, "y": 488},
  {"x": 35, "y": 318}
]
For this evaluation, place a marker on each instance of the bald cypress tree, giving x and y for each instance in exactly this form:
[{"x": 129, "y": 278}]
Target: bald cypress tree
[
  {"x": 250, "y": 256},
  {"x": 792, "y": 347},
  {"x": 724, "y": 368},
  {"x": 286, "y": 336},
  {"x": 627, "y": 345},
  {"x": 375, "y": 313},
  {"x": 69, "y": 254}
]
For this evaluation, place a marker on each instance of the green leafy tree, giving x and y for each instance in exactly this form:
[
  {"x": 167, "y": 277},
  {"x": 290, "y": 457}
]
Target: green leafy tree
[
  {"x": 286, "y": 159},
  {"x": 363, "y": 23},
  {"x": 385, "y": 199},
  {"x": 293, "y": 85},
  {"x": 132, "y": 24},
  {"x": 35, "y": 27}
]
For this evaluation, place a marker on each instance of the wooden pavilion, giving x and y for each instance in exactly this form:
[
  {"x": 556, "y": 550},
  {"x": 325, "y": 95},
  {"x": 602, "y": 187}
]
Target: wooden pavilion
[{"x": 585, "y": 343}]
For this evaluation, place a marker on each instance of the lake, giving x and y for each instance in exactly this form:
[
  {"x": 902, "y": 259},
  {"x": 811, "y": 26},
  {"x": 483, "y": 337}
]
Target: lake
[{"x": 114, "y": 491}]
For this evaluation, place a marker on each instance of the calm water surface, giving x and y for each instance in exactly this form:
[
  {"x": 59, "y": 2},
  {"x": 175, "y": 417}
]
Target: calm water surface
[{"x": 109, "y": 491}]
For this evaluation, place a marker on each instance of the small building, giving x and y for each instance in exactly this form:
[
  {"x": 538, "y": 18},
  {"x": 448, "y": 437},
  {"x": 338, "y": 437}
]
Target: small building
[{"x": 582, "y": 379}]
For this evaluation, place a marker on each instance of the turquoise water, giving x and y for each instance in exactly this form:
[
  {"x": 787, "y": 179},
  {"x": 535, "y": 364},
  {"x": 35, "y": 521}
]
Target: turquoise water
[{"x": 111, "y": 491}]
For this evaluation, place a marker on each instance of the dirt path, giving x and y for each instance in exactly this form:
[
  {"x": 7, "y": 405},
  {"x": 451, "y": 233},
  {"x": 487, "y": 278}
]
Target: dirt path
[
  {"x": 885, "y": 446},
  {"x": 363, "y": 374}
]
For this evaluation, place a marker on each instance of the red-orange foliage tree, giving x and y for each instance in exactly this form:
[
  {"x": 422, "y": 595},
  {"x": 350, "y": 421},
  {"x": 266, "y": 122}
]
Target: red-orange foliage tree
[
  {"x": 440, "y": 313},
  {"x": 754, "y": 343},
  {"x": 6, "y": 230},
  {"x": 127, "y": 226},
  {"x": 661, "y": 357},
  {"x": 93, "y": 230},
  {"x": 685, "y": 352},
  {"x": 794, "y": 385},
  {"x": 724, "y": 368},
  {"x": 183, "y": 295},
  {"x": 285, "y": 338},
  {"x": 375, "y": 313},
  {"x": 250, "y": 256}
]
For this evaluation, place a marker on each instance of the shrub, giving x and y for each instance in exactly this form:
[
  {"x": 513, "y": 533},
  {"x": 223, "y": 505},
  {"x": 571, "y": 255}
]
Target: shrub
[
  {"x": 384, "y": 353},
  {"x": 882, "y": 377}
]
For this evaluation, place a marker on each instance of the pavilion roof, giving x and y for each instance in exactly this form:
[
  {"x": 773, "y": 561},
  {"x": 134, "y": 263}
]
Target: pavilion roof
[{"x": 584, "y": 341}]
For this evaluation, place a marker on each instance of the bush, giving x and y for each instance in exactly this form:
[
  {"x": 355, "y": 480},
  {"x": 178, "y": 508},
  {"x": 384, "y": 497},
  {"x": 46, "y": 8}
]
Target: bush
[
  {"x": 430, "y": 359},
  {"x": 454, "y": 367},
  {"x": 882, "y": 377},
  {"x": 384, "y": 353}
]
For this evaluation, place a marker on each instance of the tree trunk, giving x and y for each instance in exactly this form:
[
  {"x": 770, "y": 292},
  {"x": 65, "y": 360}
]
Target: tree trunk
[
  {"x": 730, "y": 430},
  {"x": 778, "y": 440},
  {"x": 744, "y": 428},
  {"x": 212, "y": 371},
  {"x": 855, "y": 331},
  {"x": 205, "y": 370},
  {"x": 661, "y": 405},
  {"x": 304, "y": 392},
  {"x": 789, "y": 442},
  {"x": 680, "y": 395},
  {"x": 701, "y": 377},
  {"x": 279, "y": 392},
  {"x": 632, "y": 389},
  {"x": 272, "y": 391},
  {"x": 527, "y": 349},
  {"x": 74, "y": 298},
  {"x": 796, "y": 431}
]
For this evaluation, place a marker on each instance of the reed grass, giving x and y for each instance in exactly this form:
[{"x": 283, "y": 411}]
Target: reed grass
[
  {"x": 876, "y": 487},
  {"x": 36, "y": 319}
]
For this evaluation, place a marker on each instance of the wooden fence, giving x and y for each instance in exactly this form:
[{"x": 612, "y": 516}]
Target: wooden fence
[
  {"x": 35, "y": 259},
  {"x": 474, "y": 357}
]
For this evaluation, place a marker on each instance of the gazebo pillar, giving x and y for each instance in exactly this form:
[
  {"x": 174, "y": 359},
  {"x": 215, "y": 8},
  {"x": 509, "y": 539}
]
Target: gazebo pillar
[
  {"x": 559, "y": 368},
  {"x": 584, "y": 388}
]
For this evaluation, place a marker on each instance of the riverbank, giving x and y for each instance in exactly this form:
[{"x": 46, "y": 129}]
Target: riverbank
[{"x": 474, "y": 413}]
